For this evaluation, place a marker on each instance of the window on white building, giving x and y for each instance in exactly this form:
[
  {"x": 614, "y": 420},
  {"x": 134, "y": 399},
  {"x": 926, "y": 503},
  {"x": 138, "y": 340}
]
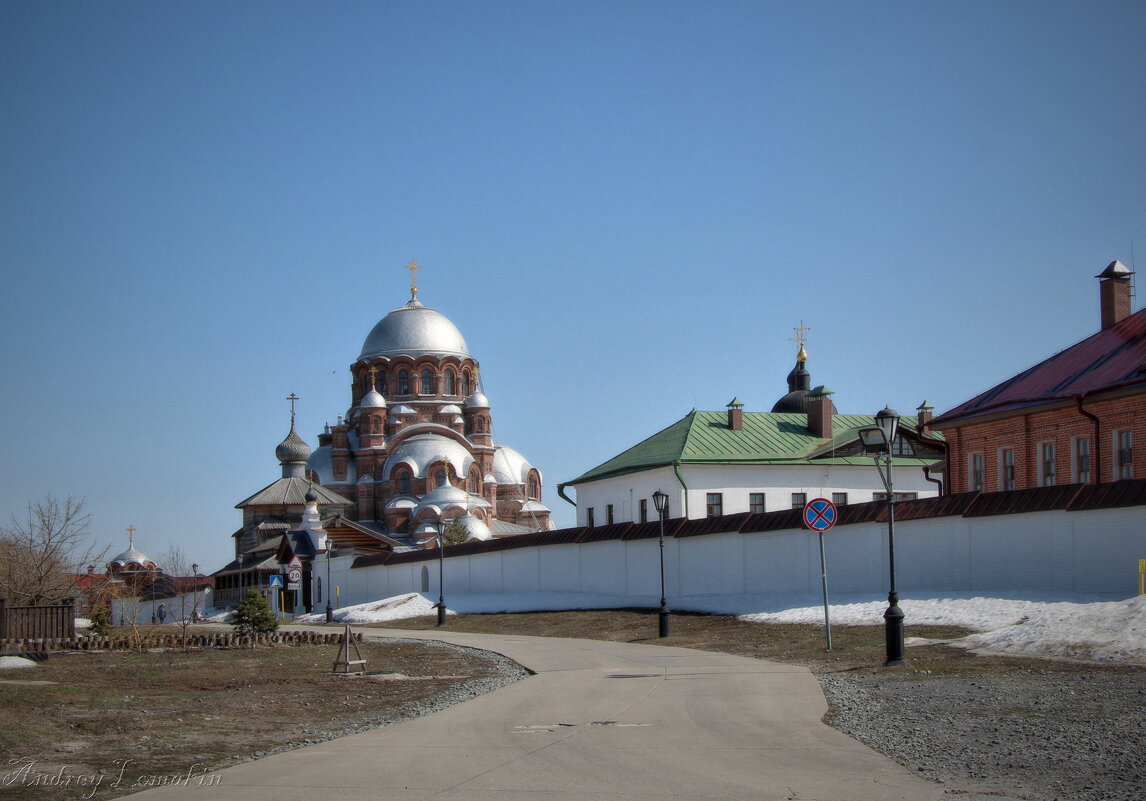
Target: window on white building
[
  {"x": 756, "y": 503},
  {"x": 840, "y": 498},
  {"x": 799, "y": 500},
  {"x": 714, "y": 504}
]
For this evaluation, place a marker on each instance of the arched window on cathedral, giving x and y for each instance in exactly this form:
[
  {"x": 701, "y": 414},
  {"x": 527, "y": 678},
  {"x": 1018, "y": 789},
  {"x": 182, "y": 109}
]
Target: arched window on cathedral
[
  {"x": 473, "y": 482},
  {"x": 427, "y": 381},
  {"x": 376, "y": 425},
  {"x": 403, "y": 382},
  {"x": 440, "y": 479},
  {"x": 404, "y": 482},
  {"x": 380, "y": 383},
  {"x": 465, "y": 384},
  {"x": 534, "y": 488},
  {"x": 448, "y": 389}
]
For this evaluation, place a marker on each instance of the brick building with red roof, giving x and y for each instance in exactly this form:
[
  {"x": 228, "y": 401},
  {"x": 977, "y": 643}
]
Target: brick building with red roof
[{"x": 1072, "y": 419}]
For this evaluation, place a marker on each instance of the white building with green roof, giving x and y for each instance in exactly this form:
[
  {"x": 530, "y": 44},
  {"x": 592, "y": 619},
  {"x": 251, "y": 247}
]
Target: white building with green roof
[{"x": 713, "y": 463}]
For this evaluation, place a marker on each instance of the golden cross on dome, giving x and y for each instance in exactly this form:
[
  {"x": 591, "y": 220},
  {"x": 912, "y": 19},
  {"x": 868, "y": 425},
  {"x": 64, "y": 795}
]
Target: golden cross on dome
[
  {"x": 292, "y": 398},
  {"x": 131, "y": 536},
  {"x": 800, "y": 338},
  {"x": 412, "y": 267}
]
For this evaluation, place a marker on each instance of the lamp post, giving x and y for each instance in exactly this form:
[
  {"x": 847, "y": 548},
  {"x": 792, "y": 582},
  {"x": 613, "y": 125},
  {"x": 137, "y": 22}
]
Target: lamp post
[
  {"x": 879, "y": 440},
  {"x": 441, "y": 573},
  {"x": 329, "y": 588},
  {"x": 660, "y": 501}
]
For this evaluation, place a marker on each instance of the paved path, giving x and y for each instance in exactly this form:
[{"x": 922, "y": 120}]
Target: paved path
[{"x": 600, "y": 721}]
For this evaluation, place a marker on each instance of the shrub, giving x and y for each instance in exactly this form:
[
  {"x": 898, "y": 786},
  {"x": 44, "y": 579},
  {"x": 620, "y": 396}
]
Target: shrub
[{"x": 253, "y": 616}]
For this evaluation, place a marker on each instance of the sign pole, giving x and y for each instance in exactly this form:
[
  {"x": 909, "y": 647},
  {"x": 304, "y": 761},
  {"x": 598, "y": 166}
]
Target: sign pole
[
  {"x": 824, "y": 581},
  {"x": 820, "y": 514}
]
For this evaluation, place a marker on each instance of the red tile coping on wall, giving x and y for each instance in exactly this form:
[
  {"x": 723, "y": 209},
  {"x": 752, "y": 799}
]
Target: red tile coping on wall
[{"x": 1071, "y": 497}]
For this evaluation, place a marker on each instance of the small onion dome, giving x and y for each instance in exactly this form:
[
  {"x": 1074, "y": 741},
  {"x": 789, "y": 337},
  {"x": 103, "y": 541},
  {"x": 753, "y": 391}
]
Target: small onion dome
[
  {"x": 478, "y": 400},
  {"x": 475, "y": 527},
  {"x": 292, "y": 449},
  {"x": 372, "y": 400},
  {"x": 311, "y": 496},
  {"x": 132, "y": 558}
]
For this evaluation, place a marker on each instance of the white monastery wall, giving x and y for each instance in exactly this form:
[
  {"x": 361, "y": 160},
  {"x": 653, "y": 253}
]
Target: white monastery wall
[{"x": 1046, "y": 552}]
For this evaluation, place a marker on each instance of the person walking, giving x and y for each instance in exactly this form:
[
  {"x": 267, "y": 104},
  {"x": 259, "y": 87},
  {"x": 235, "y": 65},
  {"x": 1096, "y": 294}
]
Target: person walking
[{"x": 162, "y": 612}]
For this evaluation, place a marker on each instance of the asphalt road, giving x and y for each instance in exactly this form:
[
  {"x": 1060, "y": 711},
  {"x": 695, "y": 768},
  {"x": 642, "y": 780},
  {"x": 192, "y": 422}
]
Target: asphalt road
[{"x": 600, "y": 721}]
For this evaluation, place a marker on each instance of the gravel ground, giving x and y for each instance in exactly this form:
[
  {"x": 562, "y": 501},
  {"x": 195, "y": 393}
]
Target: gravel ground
[
  {"x": 499, "y": 673},
  {"x": 1037, "y": 733}
]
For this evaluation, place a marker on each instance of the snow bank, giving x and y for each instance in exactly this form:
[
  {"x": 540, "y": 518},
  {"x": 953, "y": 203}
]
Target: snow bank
[{"x": 12, "y": 662}]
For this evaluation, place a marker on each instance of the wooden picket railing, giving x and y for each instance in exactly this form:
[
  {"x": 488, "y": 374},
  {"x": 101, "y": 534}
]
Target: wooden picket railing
[
  {"x": 148, "y": 641},
  {"x": 57, "y": 621}
]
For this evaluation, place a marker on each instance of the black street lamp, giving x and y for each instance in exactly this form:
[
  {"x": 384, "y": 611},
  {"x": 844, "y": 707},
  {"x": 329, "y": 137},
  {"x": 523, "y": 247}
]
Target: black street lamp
[
  {"x": 329, "y": 588},
  {"x": 441, "y": 573},
  {"x": 879, "y": 441},
  {"x": 660, "y": 501}
]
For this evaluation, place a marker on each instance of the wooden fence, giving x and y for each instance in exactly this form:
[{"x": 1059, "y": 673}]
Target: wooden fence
[
  {"x": 148, "y": 641},
  {"x": 38, "y": 622}
]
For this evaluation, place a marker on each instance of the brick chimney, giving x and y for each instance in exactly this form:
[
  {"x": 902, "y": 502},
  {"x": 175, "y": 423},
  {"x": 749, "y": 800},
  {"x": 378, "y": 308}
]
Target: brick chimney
[
  {"x": 820, "y": 412},
  {"x": 1114, "y": 293},
  {"x": 923, "y": 426},
  {"x": 735, "y": 414}
]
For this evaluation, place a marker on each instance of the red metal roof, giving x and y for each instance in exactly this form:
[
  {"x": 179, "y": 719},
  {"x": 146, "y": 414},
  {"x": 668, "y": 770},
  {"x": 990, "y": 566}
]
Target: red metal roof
[{"x": 1115, "y": 357}]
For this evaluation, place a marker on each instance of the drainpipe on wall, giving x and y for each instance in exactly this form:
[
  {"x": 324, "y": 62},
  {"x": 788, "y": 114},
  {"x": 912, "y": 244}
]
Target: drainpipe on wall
[
  {"x": 1097, "y": 454},
  {"x": 676, "y": 469},
  {"x": 936, "y": 481},
  {"x": 563, "y": 496}
]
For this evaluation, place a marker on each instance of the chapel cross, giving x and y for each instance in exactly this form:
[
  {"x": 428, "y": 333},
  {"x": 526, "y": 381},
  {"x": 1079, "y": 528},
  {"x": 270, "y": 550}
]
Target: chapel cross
[
  {"x": 800, "y": 338},
  {"x": 292, "y": 398},
  {"x": 131, "y": 536},
  {"x": 412, "y": 267}
]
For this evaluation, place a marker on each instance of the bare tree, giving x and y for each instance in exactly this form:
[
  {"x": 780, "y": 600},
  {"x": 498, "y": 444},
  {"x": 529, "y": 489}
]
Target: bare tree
[
  {"x": 40, "y": 552},
  {"x": 187, "y": 599}
]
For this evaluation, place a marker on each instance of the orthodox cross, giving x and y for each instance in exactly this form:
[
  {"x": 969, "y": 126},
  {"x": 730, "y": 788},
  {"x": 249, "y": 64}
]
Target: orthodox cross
[
  {"x": 801, "y": 330},
  {"x": 412, "y": 267},
  {"x": 131, "y": 536},
  {"x": 292, "y": 398},
  {"x": 373, "y": 377}
]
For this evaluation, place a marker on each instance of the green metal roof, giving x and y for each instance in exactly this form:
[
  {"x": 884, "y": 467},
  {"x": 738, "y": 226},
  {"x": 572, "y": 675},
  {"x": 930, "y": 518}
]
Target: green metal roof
[{"x": 765, "y": 438}]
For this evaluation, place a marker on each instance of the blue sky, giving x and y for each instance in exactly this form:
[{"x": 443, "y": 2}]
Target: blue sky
[{"x": 625, "y": 207}]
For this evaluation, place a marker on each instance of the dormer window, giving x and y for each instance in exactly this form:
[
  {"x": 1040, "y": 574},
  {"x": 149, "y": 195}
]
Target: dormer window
[
  {"x": 404, "y": 483},
  {"x": 440, "y": 479}
]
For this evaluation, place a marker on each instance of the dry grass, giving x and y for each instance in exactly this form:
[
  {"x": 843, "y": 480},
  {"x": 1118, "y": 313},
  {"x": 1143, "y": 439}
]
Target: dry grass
[
  {"x": 163, "y": 715},
  {"x": 854, "y": 648}
]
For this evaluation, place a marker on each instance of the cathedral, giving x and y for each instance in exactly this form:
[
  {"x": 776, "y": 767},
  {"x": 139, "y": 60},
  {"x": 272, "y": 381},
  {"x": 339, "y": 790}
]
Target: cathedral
[{"x": 416, "y": 446}]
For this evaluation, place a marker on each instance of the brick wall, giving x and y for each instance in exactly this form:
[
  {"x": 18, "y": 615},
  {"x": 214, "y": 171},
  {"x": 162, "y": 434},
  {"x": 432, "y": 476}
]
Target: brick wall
[{"x": 1062, "y": 426}]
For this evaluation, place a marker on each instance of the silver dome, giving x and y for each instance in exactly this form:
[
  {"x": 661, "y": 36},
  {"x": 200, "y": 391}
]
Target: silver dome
[
  {"x": 478, "y": 400},
  {"x": 423, "y": 450},
  {"x": 372, "y": 400},
  {"x": 292, "y": 449},
  {"x": 509, "y": 466},
  {"x": 414, "y": 330}
]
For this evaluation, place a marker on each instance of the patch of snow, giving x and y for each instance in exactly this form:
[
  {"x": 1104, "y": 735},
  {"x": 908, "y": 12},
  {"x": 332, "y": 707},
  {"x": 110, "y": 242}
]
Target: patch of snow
[
  {"x": 12, "y": 662},
  {"x": 399, "y": 606}
]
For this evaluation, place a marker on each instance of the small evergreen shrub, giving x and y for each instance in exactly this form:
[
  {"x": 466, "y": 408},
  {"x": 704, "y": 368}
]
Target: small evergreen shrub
[{"x": 253, "y": 616}]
